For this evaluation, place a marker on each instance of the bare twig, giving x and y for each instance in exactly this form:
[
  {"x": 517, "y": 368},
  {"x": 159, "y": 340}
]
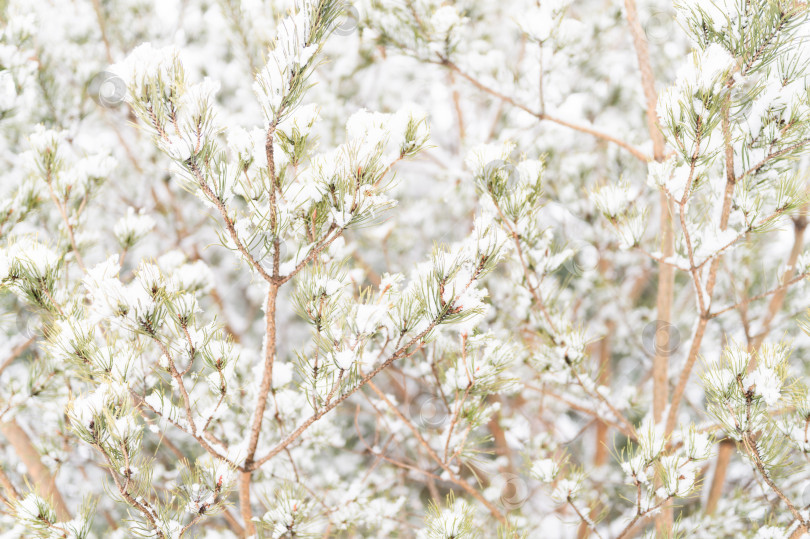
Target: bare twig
[
  {"x": 43, "y": 481},
  {"x": 638, "y": 154},
  {"x": 16, "y": 352}
]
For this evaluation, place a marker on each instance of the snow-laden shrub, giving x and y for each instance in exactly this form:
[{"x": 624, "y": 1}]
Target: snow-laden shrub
[{"x": 312, "y": 268}]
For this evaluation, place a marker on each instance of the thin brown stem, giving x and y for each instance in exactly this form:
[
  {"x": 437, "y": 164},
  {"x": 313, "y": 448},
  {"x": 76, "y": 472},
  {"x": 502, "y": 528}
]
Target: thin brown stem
[
  {"x": 751, "y": 448},
  {"x": 638, "y": 154},
  {"x": 102, "y": 25},
  {"x": 8, "y": 486},
  {"x": 17, "y": 352},
  {"x": 778, "y": 299},
  {"x": 724, "y": 452},
  {"x": 677, "y": 395},
  {"x": 726, "y": 447},
  {"x": 666, "y": 273},
  {"x": 65, "y": 219},
  {"x": 229, "y": 224},
  {"x": 436, "y": 458},
  {"x": 400, "y": 353},
  {"x": 43, "y": 481},
  {"x": 267, "y": 376}
]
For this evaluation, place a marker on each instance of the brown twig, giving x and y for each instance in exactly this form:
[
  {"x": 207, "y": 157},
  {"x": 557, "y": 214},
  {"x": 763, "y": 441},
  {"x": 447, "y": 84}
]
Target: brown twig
[
  {"x": 433, "y": 455},
  {"x": 17, "y": 352},
  {"x": 724, "y": 452},
  {"x": 638, "y": 154},
  {"x": 43, "y": 481},
  {"x": 400, "y": 353},
  {"x": 8, "y": 486}
]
